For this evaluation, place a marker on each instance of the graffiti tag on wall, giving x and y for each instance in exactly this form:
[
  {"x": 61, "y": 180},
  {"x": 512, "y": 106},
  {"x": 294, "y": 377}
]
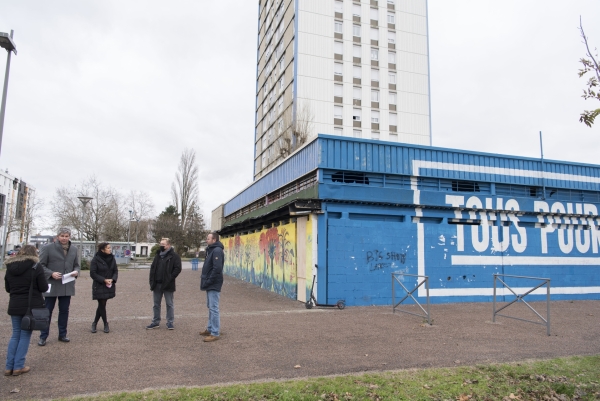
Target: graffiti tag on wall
[{"x": 378, "y": 260}]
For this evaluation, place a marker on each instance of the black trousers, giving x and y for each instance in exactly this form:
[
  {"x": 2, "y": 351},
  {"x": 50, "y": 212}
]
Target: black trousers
[{"x": 101, "y": 311}]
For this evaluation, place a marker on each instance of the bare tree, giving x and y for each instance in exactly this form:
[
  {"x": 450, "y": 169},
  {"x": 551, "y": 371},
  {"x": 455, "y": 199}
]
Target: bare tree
[
  {"x": 116, "y": 221},
  {"x": 32, "y": 211},
  {"x": 296, "y": 129},
  {"x": 185, "y": 188},
  {"x": 101, "y": 212},
  {"x": 140, "y": 204},
  {"x": 143, "y": 230},
  {"x": 142, "y": 208},
  {"x": 590, "y": 64},
  {"x": 12, "y": 225}
]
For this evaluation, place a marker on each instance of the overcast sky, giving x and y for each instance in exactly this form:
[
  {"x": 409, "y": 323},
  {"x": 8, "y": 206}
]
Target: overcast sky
[{"x": 118, "y": 88}]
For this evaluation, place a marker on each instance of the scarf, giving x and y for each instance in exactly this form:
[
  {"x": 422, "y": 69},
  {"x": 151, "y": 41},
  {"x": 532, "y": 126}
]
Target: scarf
[
  {"x": 65, "y": 247},
  {"x": 107, "y": 257}
]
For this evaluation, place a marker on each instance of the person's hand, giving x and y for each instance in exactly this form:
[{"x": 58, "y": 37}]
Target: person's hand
[
  {"x": 108, "y": 281},
  {"x": 56, "y": 275},
  {"x": 75, "y": 273}
]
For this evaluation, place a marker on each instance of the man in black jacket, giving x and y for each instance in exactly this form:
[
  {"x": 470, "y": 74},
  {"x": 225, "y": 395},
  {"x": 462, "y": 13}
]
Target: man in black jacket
[
  {"x": 165, "y": 268},
  {"x": 211, "y": 282}
]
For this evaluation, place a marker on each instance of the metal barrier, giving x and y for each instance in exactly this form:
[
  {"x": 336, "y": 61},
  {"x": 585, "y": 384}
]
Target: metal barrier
[
  {"x": 425, "y": 281},
  {"x": 546, "y": 282}
]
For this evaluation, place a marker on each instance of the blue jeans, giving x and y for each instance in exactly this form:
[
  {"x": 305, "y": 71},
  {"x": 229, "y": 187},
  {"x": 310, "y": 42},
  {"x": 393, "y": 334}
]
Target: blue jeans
[
  {"x": 63, "y": 315},
  {"x": 158, "y": 293},
  {"x": 214, "y": 320},
  {"x": 18, "y": 345}
]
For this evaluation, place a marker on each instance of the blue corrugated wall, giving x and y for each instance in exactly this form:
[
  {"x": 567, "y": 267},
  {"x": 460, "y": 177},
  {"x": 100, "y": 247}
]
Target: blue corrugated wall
[{"x": 412, "y": 211}]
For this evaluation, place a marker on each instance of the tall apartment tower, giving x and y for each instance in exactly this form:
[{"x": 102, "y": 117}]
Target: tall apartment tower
[{"x": 355, "y": 68}]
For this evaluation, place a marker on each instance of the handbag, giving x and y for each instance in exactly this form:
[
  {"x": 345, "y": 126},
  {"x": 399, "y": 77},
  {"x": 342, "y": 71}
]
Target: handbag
[{"x": 36, "y": 318}]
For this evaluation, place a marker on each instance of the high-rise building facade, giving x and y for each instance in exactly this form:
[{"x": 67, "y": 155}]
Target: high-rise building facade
[{"x": 355, "y": 68}]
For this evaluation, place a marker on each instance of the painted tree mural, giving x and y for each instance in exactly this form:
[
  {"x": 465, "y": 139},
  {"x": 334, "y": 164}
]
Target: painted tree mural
[
  {"x": 266, "y": 258},
  {"x": 272, "y": 239},
  {"x": 286, "y": 254}
]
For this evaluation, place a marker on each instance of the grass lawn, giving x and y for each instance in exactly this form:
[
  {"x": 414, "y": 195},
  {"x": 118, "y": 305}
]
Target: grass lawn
[{"x": 573, "y": 378}]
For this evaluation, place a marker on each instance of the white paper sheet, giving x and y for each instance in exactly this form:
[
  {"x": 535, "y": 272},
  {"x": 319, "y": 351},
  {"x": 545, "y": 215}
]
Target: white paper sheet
[{"x": 67, "y": 278}]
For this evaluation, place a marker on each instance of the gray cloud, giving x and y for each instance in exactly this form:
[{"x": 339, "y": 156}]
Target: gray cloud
[{"x": 119, "y": 88}]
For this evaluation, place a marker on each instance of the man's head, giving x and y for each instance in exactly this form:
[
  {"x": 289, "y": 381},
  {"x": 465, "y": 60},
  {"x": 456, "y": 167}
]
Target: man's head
[
  {"x": 64, "y": 235},
  {"x": 212, "y": 238},
  {"x": 165, "y": 244}
]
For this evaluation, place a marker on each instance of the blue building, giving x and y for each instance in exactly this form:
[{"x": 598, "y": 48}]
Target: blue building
[{"x": 362, "y": 209}]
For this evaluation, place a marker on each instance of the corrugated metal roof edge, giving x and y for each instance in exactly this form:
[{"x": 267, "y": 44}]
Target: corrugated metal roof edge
[
  {"x": 399, "y": 144},
  {"x": 472, "y": 152}
]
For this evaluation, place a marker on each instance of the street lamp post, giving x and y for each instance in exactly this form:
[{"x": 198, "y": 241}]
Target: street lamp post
[
  {"x": 7, "y": 43},
  {"x": 4, "y": 235},
  {"x": 84, "y": 201},
  {"x": 128, "y": 230},
  {"x": 137, "y": 219}
]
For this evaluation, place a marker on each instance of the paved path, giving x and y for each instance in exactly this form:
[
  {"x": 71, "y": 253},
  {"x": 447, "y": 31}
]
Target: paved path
[{"x": 266, "y": 335}]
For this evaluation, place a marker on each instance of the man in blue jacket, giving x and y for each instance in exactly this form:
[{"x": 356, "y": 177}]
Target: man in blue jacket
[{"x": 211, "y": 282}]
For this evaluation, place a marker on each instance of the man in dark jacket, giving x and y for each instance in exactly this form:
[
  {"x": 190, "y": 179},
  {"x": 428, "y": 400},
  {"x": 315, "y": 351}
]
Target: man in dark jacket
[
  {"x": 59, "y": 259},
  {"x": 211, "y": 282},
  {"x": 165, "y": 268}
]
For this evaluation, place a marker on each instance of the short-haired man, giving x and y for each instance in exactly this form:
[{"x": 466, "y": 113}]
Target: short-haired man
[
  {"x": 58, "y": 259},
  {"x": 211, "y": 282},
  {"x": 165, "y": 268}
]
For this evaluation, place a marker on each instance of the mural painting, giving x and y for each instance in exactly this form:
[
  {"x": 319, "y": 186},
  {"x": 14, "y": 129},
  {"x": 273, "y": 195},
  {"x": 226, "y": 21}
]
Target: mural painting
[
  {"x": 266, "y": 258},
  {"x": 309, "y": 257}
]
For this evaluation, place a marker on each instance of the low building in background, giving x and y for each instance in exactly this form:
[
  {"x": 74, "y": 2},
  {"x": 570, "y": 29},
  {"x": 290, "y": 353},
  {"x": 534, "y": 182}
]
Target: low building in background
[{"x": 40, "y": 240}]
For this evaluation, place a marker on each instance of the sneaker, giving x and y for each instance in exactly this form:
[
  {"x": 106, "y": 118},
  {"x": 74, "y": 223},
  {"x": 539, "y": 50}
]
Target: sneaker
[
  {"x": 205, "y": 333},
  {"x": 152, "y": 326},
  {"x": 18, "y": 372},
  {"x": 208, "y": 339},
  {"x": 170, "y": 326}
]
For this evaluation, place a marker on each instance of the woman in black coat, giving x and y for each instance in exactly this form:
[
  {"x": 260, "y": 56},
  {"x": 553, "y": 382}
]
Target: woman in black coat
[
  {"x": 22, "y": 273},
  {"x": 104, "y": 273}
]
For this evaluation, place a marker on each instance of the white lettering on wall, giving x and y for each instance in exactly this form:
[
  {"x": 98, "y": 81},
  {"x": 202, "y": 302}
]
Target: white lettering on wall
[
  {"x": 456, "y": 202},
  {"x": 480, "y": 243},
  {"x": 561, "y": 225},
  {"x": 519, "y": 240}
]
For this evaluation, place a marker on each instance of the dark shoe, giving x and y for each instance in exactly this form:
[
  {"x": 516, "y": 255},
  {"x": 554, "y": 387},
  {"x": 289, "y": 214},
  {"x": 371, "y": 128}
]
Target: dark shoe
[
  {"x": 64, "y": 339},
  {"x": 42, "y": 342},
  {"x": 18, "y": 372},
  {"x": 208, "y": 339},
  {"x": 94, "y": 327},
  {"x": 8, "y": 372},
  {"x": 106, "y": 329},
  {"x": 152, "y": 326},
  {"x": 205, "y": 333},
  {"x": 170, "y": 326}
]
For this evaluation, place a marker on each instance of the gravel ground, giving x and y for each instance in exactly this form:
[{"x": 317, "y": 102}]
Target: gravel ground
[{"x": 265, "y": 336}]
